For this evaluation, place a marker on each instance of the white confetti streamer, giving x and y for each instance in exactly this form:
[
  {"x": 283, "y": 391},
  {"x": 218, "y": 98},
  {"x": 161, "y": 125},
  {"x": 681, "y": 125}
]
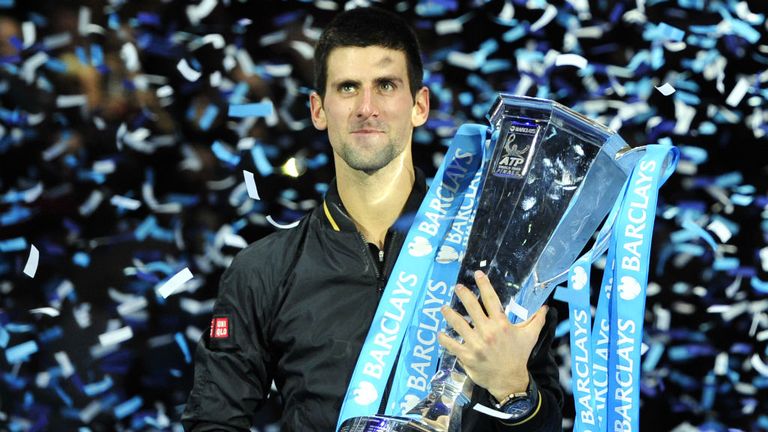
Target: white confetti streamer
[
  {"x": 83, "y": 20},
  {"x": 82, "y": 313},
  {"x": 196, "y": 13},
  {"x": 130, "y": 57},
  {"x": 115, "y": 337},
  {"x": 546, "y": 18},
  {"x": 666, "y": 89},
  {"x": 31, "y": 266},
  {"x": 273, "y": 38},
  {"x": 31, "y": 64},
  {"x": 66, "y": 366},
  {"x": 738, "y": 92},
  {"x": 195, "y": 307},
  {"x": 684, "y": 115},
  {"x": 304, "y": 49},
  {"x": 125, "y": 202},
  {"x": 448, "y": 26},
  {"x": 88, "y": 413},
  {"x": 571, "y": 60},
  {"x": 93, "y": 201},
  {"x": 470, "y": 61},
  {"x": 279, "y": 70},
  {"x": 174, "y": 283},
  {"x": 721, "y": 230},
  {"x": 517, "y": 310},
  {"x": 29, "y": 33},
  {"x": 326, "y": 5},
  {"x": 214, "y": 39},
  {"x": 235, "y": 240},
  {"x": 250, "y": 185},
  {"x": 758, "y": 365},
  {"x": 187, "y": 72},
  {"x": 281, "y": 226},
  {"x": 131, "y": 306},
  {"x": 52, "y": 312},
  {"x": 721, "y": 364},
  {"x": 164, "y": 91},
  {"x": 69, "y": 101}
]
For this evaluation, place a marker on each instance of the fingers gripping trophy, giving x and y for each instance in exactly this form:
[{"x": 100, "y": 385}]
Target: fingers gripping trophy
[{"x": 552, "y": 177}]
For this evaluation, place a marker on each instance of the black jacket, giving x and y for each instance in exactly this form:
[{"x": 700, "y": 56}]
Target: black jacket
[{"x": 298, "y": 304}]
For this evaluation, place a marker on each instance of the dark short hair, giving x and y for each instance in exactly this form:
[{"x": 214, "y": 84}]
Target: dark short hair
[{"x": 364, "y": 27}]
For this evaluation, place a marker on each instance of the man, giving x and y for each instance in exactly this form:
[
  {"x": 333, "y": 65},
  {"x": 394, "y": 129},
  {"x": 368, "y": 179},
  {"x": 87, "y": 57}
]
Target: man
[{"x": 296, "y": 306}]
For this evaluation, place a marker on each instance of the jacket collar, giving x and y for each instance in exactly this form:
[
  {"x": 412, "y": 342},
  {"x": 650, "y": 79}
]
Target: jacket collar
[{"x": 338, "y": 219}]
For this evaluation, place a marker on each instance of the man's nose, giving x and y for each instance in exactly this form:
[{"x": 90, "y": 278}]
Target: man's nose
[{"x": 367, "y": 105}]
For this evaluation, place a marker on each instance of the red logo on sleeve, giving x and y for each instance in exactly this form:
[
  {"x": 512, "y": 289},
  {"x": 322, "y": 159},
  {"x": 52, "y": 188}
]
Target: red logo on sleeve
[{"x": 220, "y": 328}]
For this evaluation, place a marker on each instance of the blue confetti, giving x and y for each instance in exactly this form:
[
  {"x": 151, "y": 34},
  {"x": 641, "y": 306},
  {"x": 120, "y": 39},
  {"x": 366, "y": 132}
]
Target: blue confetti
[
  {"x": 128, "y": 407},
  {"x": 13, "y": 245},
  {"x": 51, "y": 334},
  {"x": 211, "y": 111},
  {"x": 97, "y": 55},
  {"x": 238, "y": 94},
  {"x": 693, "y": 227},
  {"x": 514, "y": 34},
  {"x": 260, "y": 160},
  {"x": 98, "y": 387},
  {"x": 21, "y": 352},
  {"x": 261, "y": 109},
  {"x": 745, "y": 31},
  {"x": 64, "y": 397},
  {"x": 81, "y": 259},
  {"x": 224, "y": 155},
  {"x": 652, "y": 357},
  {"x": 182, "y": 342},
  {"x": 670, "y": 33},
  {"x": 759, "y": 285}
]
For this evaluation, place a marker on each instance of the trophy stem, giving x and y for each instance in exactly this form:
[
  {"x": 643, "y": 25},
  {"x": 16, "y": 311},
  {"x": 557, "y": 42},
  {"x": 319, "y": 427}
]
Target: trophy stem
[{"x": 450, "y": 390}]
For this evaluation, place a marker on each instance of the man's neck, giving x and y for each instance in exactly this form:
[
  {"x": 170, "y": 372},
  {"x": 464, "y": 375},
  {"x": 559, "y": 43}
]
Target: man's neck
[{"x": 375, "y": 201}]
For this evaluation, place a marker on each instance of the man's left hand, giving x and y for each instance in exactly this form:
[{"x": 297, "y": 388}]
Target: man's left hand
[{"x": 495, "y": 352}]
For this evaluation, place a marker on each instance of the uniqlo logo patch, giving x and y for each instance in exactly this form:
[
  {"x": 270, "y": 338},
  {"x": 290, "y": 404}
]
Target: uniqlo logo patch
[{"x": 220, "y": 328}]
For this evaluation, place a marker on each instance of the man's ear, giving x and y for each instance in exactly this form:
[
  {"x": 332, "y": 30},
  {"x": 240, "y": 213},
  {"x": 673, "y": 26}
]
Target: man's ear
[
  {"x": 420, "y": 110},
  {"x": 317, "y": 111}
]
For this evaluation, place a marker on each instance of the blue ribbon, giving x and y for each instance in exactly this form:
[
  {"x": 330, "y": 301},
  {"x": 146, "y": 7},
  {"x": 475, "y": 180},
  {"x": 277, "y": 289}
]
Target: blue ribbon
[
  {"x": 632, "y": 237},
  {"x": 408, "y": 284},
  {"x": 606, "y": 379},
  {"x": 420, "y": 352}
]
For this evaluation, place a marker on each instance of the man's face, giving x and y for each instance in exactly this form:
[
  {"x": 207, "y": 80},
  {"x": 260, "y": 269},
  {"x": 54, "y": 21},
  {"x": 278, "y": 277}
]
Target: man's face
[{"x": 368, "y": 108}]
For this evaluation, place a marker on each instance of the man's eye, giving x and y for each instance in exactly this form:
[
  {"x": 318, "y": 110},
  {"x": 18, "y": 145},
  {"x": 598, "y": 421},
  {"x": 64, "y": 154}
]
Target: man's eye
[
  {"x": 387, "y": 85},
  {"x": 347, "y": 88}
]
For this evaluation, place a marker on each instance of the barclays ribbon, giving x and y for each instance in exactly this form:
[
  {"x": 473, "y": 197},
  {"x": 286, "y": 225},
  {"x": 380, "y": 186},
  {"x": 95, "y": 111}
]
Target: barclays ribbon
[
  {"x": 420, "y": 352},
  {"x": 406, "y": 286},
  {"x": 580, "y": 320},
  {"x": 632, "y": 243},
  {"x": 605, "y": 361}
]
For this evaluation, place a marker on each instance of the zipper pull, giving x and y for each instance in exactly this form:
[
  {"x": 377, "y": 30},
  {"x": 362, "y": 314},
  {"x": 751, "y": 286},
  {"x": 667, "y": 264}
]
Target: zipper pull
[{"x": 381, "y": 255}]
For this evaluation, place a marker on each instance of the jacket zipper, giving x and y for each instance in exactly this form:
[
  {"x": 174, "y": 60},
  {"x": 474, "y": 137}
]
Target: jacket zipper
[{"x": 367, "y": 252}]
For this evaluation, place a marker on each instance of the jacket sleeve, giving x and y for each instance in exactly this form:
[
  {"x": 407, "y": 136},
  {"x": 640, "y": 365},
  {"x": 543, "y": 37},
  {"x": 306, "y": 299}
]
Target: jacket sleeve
[
  {"x": 543, "y": 368},
  {"x": 232, "y": 374}
]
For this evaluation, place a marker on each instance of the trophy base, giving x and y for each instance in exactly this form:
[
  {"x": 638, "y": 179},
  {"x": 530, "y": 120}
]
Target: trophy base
[{"x": 386, "y": 424}]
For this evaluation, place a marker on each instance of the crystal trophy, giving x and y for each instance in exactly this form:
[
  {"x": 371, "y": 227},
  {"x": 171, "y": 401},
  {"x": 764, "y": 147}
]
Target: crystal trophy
[{"x": 552, "y": 177}]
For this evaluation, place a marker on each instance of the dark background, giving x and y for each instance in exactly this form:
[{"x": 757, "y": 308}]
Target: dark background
[{"x": 95, "y": 258}]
